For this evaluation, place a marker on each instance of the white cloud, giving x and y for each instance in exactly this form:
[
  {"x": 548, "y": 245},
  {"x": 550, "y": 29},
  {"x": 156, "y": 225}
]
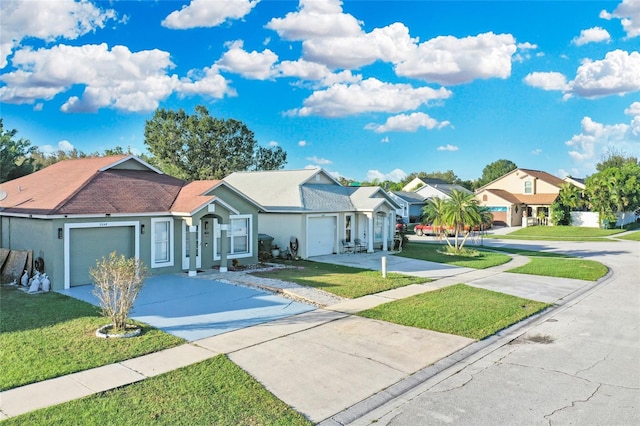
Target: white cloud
[
  {"x": 254, "y": 65},
  {"x": 547, "y": 80},
  {"x": 207, "y": 13},
  {"x": 617, "y": 74},
  {"x": 449, "y": 60},
  {"x": 536, "y": 151},
  {"x": 312, "y": 71},
  {"x": 370, "y": 95},
  {"x": 116, "y": 78},
  {"x": 448, "y": 147},
  {"x": 302, "y": 143},
  {"x": 273, "y": 143},
  {"x": 63, "y": 145},
  {"x": 592, "y": 35},
  {"x": 318, "y": 160},
  {"x": 390, "y": 44},
  {"x": 385, "y": 139},
  {"x": 316, "y": 19},
  {"x": 48, "y": 21},
  {"x": 206, "y": 82},
  {"x": 407, "y": 123},
  {"x": 395, "y": 175},
  {"x": 595, "y": 139},
  {"x": 629, "y": 14}
]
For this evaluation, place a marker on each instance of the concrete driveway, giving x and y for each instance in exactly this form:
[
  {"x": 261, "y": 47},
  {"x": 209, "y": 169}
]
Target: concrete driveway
[{"x": 196, "y": 308}]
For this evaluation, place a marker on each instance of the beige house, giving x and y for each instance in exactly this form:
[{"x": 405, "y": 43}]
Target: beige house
[{"x": 521, "y": 197}]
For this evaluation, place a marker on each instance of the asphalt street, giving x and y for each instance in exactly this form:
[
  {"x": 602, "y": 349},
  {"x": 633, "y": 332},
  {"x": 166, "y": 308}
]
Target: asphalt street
[{"x": 578, "y": 364}]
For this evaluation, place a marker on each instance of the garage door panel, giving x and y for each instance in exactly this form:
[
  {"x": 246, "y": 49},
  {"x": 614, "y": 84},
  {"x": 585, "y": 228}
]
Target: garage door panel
[
  {"x": 321, "y": 235},
  {"x": 87, "y": 245}
]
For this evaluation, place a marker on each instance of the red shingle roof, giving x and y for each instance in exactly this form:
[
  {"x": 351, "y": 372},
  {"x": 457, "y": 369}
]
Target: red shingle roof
[{"x": 98, "y": 186}]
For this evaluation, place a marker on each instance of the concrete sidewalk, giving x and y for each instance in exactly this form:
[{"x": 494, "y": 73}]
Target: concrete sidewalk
[{"x": 331, "y": 359}]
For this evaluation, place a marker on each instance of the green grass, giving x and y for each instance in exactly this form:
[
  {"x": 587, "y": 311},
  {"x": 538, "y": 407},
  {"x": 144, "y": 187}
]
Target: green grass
[
  {"x": 580, "y": 269},
  {"x": 44, "y": 336},
  {"x": 560, "y": 233},
  {"x": 459, "y": 309},
  {"x": 429, "y": 251},
  {"x": 531, "y": 253},
  {"x": 212, "y": 392},
  {"x": 340, "y": 280},
  {"x": 634, "y": 236}
]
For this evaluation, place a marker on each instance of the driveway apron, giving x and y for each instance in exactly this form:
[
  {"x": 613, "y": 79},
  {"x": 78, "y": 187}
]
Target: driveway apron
[{"x": 196, "y": 308}]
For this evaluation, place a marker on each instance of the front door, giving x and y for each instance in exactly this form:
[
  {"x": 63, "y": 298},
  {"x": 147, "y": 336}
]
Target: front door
[{"x": 186, "y": 246}]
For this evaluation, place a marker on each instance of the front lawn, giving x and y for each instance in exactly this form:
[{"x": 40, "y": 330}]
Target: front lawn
[
  {"x": 634, "y": 236},
  {"x": 560, "y": 233},
  {"x": 460, "y": 309},
  {"x": 212, "y": 392},
  {"x": 580, "y": 269},
  {"x": 531, "y": 253},
  {"x": 340, "y": 280},
  {"x": 430, "y": 252},
  {"x": 43, "y": 336}
]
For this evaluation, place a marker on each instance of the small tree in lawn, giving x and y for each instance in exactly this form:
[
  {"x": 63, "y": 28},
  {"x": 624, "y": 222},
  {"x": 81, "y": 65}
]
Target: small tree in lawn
[{"x": 118, "y": 281}]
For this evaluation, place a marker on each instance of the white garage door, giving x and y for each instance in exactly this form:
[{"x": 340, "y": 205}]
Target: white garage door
[{"x": 321, "y": 234}]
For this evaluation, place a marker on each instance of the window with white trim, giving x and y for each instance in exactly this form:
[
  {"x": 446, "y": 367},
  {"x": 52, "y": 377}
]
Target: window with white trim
[
  {"x": 238, "y": 236},
  {"x": 528, "y": 187},
  {"x": 161, "y": 242}
]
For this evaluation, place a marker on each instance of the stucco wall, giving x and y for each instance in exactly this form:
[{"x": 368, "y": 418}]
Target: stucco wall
[{"x": 514, "y": 183}]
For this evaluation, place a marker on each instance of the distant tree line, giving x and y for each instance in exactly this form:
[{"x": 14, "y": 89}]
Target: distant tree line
[{"x": 190, "y": 147}]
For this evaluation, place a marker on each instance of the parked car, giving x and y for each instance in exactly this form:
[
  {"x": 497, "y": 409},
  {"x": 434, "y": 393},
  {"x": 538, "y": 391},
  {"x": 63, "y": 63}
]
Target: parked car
[{"x": 429, "y": 229}]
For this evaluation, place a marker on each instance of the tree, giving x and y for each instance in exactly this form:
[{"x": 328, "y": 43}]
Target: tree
[
  {"x": 614, "y": 159},
  {"x": 614, "y": 190},
  {"x": 198, "y": 146},
  {"x": 461, "y": 212},
  {"x": 495, "y": 170},
  {"x": 15, "y": 155}
]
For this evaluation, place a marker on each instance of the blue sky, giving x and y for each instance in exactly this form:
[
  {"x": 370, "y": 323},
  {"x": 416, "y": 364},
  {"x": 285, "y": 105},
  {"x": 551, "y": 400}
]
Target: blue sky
[{"x": 365, "y": 89}]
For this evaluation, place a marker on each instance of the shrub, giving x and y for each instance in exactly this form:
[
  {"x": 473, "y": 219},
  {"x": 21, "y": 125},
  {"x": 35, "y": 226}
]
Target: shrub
[{"x": 117, "y": 281}]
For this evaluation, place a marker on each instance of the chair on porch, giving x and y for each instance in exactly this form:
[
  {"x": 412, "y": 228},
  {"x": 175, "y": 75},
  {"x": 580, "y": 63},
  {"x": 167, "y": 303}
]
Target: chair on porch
[
  {"x": 360, "y": 245},
  {"x": 348, "y": 246}
]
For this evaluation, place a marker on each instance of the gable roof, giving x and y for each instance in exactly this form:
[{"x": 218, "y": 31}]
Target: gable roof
[
  {"x": 278, "y": 189},
  {"x": 306, "y": 190},
  {"x": 538, "y": 174},
  {"x": 121, "y": 184},
  {"x": 409, "y": 197},
  {"x": 542, "y": 199}
]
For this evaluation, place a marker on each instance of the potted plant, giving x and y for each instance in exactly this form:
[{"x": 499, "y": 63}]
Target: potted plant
[{"x": 118, "y": 281}]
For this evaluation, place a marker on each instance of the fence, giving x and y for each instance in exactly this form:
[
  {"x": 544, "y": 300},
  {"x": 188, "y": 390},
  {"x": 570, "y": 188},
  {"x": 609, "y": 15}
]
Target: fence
[{"x": 591, "y": 219}]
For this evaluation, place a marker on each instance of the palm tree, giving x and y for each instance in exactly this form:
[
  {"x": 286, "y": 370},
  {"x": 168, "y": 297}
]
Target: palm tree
[
  {"x": 463, "y": 213},
  {"x": 434, "y": 212}
]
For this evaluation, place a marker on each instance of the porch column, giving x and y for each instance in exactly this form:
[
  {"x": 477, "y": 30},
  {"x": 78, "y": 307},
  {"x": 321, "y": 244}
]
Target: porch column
[
  {"x": 193, "y": 249},
  {"x": 224, "y": 227},
  {"x": 385, "y": 233},
  {"x": 370, "y": 231}
]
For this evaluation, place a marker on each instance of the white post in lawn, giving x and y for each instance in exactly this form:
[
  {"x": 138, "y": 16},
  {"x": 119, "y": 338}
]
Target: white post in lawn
[{"x": 384, "y": 266}]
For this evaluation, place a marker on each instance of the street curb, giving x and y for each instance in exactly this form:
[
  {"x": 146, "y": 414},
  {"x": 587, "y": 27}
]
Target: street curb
[{"x": 454, "y": 363}]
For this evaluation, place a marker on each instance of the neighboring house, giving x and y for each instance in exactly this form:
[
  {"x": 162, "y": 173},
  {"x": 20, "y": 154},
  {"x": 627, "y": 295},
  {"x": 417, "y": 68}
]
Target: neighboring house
[
  {"x": 520, "y": 195},
  {"x": 411, "y": 205},
  {"x": 579, "y": 182},
  {"x": 73, "y": 212},
  {"x": 433, "y": 188},
  {"x": 312, "y": 207}
]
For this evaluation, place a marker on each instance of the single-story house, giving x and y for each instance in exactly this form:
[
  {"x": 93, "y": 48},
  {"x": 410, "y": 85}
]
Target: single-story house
[
  {"x": 520, "y": 197},
  {"x": 433, "y": 188},
  {"x": 411, "y": 205},
  {"x": 74, "y": 212},
  {"x": 311, "y": 207}
]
